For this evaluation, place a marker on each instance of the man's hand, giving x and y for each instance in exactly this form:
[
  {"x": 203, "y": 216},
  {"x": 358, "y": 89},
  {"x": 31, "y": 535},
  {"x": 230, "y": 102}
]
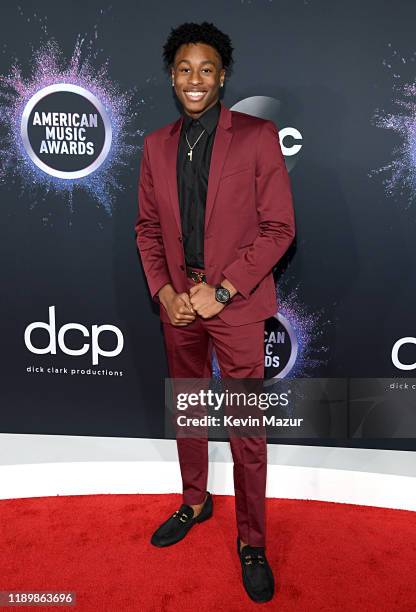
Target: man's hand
[
  {"x": 203, "y": 300},
  {"x": 177, "y": 305}
]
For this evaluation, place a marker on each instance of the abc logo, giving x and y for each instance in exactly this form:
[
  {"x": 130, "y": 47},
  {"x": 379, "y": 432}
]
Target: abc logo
[
  {"x": 265, "y": 107},
  {"x": 54, "y": 339}
]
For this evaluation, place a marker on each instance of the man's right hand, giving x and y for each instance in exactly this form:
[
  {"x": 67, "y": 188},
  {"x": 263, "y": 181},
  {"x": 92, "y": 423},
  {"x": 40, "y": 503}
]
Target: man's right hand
[{"x": 177, "y": 305}]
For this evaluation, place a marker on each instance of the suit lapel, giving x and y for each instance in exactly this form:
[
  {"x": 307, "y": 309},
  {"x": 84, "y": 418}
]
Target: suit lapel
[
  {"x": 171, "y": 153},
  {"x": 222, "y": 140}
]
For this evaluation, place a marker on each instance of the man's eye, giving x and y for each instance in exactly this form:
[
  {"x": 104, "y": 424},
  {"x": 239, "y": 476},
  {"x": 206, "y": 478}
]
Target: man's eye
[{"x": 203, "y": 69}]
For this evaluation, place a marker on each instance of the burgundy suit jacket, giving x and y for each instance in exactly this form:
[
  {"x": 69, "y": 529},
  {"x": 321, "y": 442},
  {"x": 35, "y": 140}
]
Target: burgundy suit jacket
[{"x": 249, "y": 218}]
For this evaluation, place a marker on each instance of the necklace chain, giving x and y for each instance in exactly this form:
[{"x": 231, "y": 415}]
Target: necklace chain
[{"x": 192, "y": 146}]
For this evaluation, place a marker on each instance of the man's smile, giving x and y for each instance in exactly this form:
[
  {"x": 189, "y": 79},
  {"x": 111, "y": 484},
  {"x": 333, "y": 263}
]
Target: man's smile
[{"x": 194, "y": 95}]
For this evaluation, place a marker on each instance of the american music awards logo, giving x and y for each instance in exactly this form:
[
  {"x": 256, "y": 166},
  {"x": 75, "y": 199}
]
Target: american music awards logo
[
  {"x": 66, "y": 131},
  {"x": 293, "y": 340},
  {"x": 66, "y": 126},
  {"x": 280, "y": 347}
]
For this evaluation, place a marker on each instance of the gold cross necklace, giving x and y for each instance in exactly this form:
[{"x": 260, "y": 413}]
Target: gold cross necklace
[{"x": 189, "y": 145}]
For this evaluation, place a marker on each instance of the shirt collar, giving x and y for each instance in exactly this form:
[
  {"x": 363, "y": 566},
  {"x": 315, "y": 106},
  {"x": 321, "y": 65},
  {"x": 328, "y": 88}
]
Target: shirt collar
[{"x": 208, "y": 119}]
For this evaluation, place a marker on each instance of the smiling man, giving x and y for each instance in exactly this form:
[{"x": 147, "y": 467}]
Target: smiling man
[{"x": 215, "y": 216}]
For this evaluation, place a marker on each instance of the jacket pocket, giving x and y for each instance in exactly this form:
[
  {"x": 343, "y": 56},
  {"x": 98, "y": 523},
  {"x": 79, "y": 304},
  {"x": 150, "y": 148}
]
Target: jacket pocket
[{"x": 233, "y": 171}]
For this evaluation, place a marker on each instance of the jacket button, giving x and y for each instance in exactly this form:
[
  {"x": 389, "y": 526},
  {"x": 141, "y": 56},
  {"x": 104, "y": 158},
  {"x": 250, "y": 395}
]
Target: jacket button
[
  {"x": 182, "y": 268},
  {"x": 180, "y": 239}
]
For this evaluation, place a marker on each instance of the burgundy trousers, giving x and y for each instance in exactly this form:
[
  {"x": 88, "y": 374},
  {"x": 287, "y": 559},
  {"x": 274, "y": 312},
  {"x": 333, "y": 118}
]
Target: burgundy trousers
[{"x": 240, "y": 354}]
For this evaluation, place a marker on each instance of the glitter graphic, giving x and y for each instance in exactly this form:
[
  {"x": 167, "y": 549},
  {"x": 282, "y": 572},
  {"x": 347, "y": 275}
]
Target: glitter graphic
[
  {"x": 401, "y": 170},
  {"x": 50, "y": 68},
  {"x": 308, "y": 328}
]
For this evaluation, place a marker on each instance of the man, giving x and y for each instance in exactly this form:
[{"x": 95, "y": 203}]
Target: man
[{"x": 215, "y": 216}]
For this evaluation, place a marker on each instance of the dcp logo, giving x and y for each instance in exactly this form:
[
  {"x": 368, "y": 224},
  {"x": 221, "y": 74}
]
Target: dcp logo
[
  {"x": 94, "y": 345},
  {"x": 395, "y": 353}
]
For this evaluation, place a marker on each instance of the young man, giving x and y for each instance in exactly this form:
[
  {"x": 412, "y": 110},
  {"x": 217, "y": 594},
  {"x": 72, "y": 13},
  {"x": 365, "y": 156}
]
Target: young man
[{"x": 215, "y": 216}]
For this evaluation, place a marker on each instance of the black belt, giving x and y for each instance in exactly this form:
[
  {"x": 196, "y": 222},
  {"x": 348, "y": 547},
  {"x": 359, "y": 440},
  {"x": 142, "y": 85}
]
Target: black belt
[{"x": 198, "y": 277}]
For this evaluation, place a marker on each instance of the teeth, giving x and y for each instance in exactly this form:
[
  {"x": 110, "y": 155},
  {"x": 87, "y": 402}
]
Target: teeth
[{"x": 195, "y": 94}]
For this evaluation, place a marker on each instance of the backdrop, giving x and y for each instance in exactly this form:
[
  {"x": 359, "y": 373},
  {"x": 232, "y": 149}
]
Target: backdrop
[{"x": 82, "y": 84}]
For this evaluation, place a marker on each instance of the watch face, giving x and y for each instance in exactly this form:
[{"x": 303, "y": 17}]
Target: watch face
[{"x": 222, "y": 294}]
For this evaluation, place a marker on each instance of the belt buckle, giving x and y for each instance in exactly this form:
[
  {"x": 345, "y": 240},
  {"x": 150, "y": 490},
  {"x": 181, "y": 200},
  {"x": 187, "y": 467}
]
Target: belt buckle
[{"x": 197, "y": 276}]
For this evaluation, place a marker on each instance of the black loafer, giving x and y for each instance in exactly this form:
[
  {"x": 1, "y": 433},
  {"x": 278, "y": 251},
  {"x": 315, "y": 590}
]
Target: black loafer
[
  {"x": 177, "y": 526},
  {"x": 258, "y": 577}
]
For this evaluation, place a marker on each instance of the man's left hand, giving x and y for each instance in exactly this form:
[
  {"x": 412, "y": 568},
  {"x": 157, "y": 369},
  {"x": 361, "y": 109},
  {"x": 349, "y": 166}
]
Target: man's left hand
[{"x": 203, "y": 300}]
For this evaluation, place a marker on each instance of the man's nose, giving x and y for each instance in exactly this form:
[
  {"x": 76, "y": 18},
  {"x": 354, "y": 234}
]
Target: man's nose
[{"x": 195, "y": 77}]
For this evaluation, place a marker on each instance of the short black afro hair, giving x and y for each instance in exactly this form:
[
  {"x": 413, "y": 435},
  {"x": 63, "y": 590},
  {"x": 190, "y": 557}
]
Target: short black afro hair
[{"x": 198, "y": 33}]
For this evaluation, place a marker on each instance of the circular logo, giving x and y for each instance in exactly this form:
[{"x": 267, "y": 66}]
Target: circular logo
[
  {"x": 280, "y": 347},
  {"x": 266, "y": 107},
  {"x": 66, "y": 131}
]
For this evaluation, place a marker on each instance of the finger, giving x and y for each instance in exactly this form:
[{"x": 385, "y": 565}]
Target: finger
[
  {"x": 190, "y": 313},
  {"x": 184, "y": 320},
  {"x": 194, "y": 289},
  {"x": 184, "y": 298},
  {"x": 185, "y": 309},
  {"x": 187, "y": 301},
  {"x": 185, "y": 317}
]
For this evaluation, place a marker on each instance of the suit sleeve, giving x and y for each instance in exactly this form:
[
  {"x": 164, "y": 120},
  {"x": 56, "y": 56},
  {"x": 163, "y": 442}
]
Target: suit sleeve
[
  {"x": 148, "y": 231},
  {"x": 275, "y": 216}
]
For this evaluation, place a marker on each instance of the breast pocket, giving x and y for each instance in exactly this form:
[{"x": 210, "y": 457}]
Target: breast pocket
[{"x": 234, "y": 171}]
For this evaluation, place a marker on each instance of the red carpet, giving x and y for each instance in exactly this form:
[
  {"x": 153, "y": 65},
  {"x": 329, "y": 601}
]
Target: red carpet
[{"x": 326, "y": 557}]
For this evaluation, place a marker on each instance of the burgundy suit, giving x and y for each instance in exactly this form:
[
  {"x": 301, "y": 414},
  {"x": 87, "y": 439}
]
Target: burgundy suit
[{"x": 249, "y": 224}]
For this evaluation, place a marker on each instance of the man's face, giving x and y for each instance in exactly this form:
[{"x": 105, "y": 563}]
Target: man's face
[{"x": 197, "y": 73}]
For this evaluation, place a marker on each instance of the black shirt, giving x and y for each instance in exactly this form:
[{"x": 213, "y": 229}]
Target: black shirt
[{"x": 192, "y": 178}]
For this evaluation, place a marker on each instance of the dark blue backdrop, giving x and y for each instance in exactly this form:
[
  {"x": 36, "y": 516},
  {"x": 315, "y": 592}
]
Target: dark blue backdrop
[{"x": 339, "y": 71}]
